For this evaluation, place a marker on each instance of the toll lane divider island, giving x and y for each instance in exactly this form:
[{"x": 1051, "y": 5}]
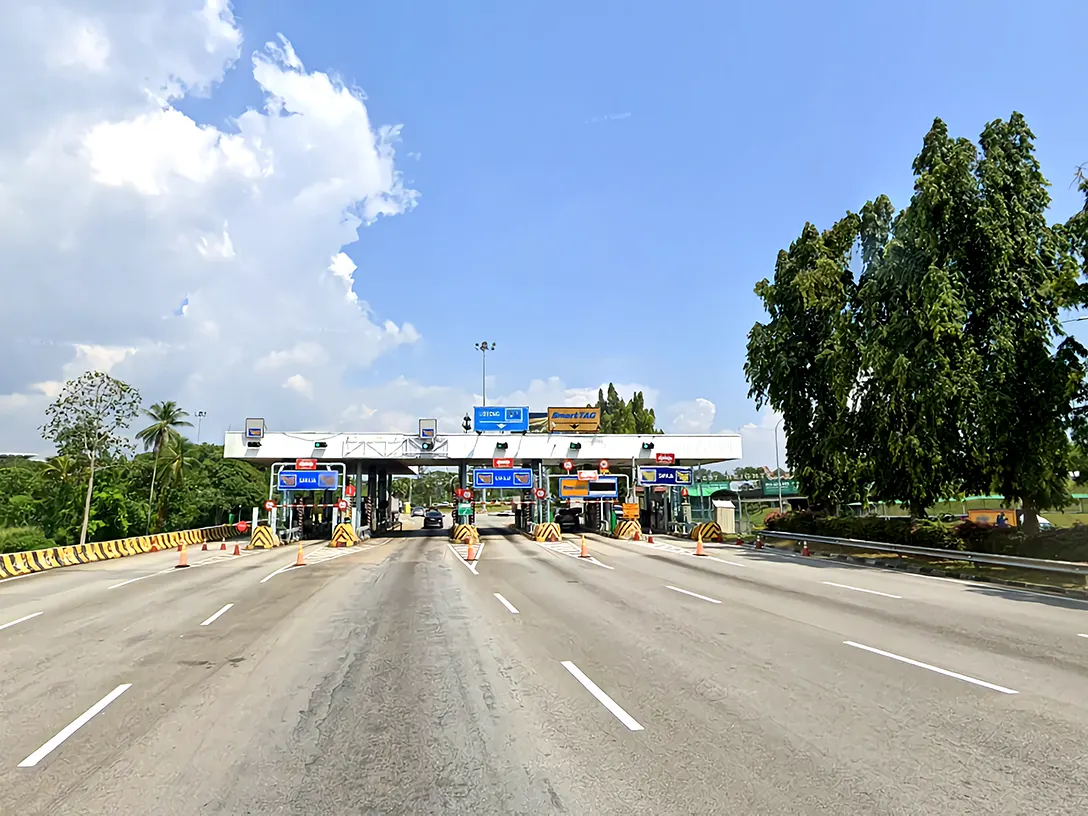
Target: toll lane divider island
[{"x": 23, "y": 563}]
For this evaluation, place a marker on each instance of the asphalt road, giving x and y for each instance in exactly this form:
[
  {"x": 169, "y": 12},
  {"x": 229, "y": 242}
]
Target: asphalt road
[{"x": 393, "y": 679}]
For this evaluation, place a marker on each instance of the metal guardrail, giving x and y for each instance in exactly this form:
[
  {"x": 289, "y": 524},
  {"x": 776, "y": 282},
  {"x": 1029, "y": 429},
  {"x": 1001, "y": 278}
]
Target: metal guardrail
[{"x": 1041, "y": 564}]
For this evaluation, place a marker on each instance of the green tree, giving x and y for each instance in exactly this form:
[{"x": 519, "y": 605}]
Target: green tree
[
  {"x": 167, "y": 418},
  {"x": 87, "y": 420},
  {"x": 178, "y": 461},
  {"x": 1030, "y": 376},
  {"x": 919, "y": 368},
  {"x": 804, "y": 361}
]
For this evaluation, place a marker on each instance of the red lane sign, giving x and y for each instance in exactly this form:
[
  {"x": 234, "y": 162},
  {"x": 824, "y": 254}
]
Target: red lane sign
[
  {"x": 342, "y": 505},
  {"x": 568, "y": 464},
  {"x": 270, "y": 505},
  {"x": 305, "y": 464},
  {"x": 540, "y": 492},
  {"x": 665, "y": 458},
  {"x": 502, "y": 463},
  {"x": 349, "y": 491},
  {"x": 241, "y": 526}
]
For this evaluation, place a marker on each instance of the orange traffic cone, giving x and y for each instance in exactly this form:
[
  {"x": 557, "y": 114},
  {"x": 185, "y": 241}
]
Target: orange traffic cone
[
  {"x": 237, "y": 551},
  {"x": 204, "y": 547},
  {"x": 183, "y": 559},
  {"x": 638, "y": 535},
  {"x": 804, "y": 548},
  {"x": 699, "y": 545},
  {"x": 759, "y": 542},
  {"x": 471, "y": 554},
  {"x": 223, "y": 546},
  {"x": 585, "y": 549},
  {"x": 649, "y": 538},
  {"x": 300, "y": 561}
]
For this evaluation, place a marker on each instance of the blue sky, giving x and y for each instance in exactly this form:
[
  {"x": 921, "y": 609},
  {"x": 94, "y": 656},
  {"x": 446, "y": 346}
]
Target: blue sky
[{"x": 603, "y": 183}]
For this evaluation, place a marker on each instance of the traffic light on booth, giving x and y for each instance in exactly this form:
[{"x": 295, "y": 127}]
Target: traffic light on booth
[
  {"x": 575, "y": 445},
  {"x": 427, "y": 445},
  {"x": 647, "y": 445},
  {"x": 502, "y": 446},
  {"x": 321, "y": 444}
]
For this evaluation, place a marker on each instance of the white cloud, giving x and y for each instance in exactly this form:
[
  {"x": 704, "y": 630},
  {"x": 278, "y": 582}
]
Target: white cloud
[
  {"x": 758, "y": 442},
  {"x": 691, "y": 417},
  {"x": 299, "y": 384},
  {"x": 115, "y": 206}
]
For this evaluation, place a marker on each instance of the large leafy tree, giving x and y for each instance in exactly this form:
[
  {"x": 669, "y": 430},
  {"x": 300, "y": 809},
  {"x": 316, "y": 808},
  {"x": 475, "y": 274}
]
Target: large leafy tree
[
  {"x": 1031, "y": 374},
  {"x": 919, "y": 369},
  {"x": 803, "y": 361},
  {"x": 88, "y": 420},
  {"x": 166, "y": 418}
]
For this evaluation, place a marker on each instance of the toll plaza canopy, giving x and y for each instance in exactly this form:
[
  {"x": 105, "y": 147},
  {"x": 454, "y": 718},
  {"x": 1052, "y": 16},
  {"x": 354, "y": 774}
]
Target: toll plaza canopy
[{"x": 400, "y": 454}]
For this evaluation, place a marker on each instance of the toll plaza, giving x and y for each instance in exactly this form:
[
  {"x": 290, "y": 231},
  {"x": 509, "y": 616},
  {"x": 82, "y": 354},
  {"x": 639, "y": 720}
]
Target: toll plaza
[{"x": 318, "y": 480}]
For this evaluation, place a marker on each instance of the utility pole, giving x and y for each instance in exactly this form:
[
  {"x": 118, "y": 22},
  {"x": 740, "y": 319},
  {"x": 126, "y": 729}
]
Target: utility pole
[{"x": 199, "y": 418}]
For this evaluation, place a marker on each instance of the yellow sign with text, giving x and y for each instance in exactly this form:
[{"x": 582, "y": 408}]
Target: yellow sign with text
[
  {"x": 630, "y": 511},
  {"x": 574, "y": 420},
  {"x": 571, "y": 487}
]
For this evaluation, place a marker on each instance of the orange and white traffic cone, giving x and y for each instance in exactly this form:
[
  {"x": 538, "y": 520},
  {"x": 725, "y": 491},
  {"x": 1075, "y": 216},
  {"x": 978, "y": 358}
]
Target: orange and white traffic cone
[
  {"x": 804, "y": 548},
  {"x": 471, "y": 554},
  {"x": 183, "y": 559},
  {"x": 300, "y": 560},
  {"x": 237, "y": 550},
  {"x": 223, "y": 546},
  {"x": 699, "y": 545},
  {"x": 649, "y": 538},
  {"x": 585, "y": 549},
  {"x": 204, "y": 547},
  {"x": 638, "y": 535},
  {"x": 759, "y": 542}
]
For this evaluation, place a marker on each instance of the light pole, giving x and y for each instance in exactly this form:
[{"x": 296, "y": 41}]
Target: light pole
[
  {"x": 484, "y": 348},
  {"x": 199, "y": 418},
  {"x": 777, "y": 469}
]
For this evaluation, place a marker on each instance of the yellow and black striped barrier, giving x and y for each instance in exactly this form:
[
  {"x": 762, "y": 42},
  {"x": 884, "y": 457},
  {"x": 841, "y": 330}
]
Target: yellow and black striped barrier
[
  {"x": 548, "y": 531},
  {"x": 626, "y": 529},
  {"x": 344, "y": 536},
  {"x": 466, "y": 533},
  {"x": 708, "y": 531},
  {"x": 263, "y": 538},
  {"x": 22, "y": 563}
]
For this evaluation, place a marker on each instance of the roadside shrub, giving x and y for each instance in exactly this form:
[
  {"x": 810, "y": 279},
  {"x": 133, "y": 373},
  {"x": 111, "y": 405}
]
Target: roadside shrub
[
  {"x": 19, "y": 539},
  {"x": 889, "y": 531}
]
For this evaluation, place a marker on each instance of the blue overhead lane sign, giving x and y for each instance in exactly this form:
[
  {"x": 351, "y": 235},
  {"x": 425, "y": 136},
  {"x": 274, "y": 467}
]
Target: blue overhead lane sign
[
  {"x": 500, "y": 418},
  {"x": 662, "y": 476},
  {"x": 517, "y": 478},
  {"x": 308, "y": 480}
]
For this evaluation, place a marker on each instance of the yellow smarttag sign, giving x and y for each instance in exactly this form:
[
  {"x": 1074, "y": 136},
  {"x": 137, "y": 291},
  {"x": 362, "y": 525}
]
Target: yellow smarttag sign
[{"x": 574, "y": 420}]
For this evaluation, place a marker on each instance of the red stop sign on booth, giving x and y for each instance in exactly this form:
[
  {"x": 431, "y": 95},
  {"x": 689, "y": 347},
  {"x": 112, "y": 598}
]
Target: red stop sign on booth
[
  {"x": 241, "y": 526},
  {"x": 349, "y": 490}
]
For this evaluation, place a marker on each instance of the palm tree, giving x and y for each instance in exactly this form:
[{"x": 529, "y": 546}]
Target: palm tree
[
  {"x": 167, "y": 419},
  {"x": 177, "y": 462}
]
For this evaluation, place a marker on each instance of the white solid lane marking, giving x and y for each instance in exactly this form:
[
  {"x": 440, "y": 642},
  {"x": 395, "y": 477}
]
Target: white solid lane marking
[
  {"x": 692, "y": 594},
  {"x": 506, "y": 603},
  {"x": 134, "y": 580},
  {"x": 723, "y": 561},
  {"x": 471, "y": 566},
  {"x": 20, "y": 620},
  {"x": 1080, "y": 635},
  {"x": 73, "y": 726},
  {"x": 859, "y": 589},
  {"x": 288, "y": 568},
  {"x": 602, "y": 698},
  {"x": 937, "y": 669},
  {"x": 217, "y": 614}
]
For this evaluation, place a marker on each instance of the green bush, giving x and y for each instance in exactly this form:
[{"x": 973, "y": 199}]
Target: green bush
[
  {"x": 19, "y": 539},
  {"x": 1070, "y": 544}
]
